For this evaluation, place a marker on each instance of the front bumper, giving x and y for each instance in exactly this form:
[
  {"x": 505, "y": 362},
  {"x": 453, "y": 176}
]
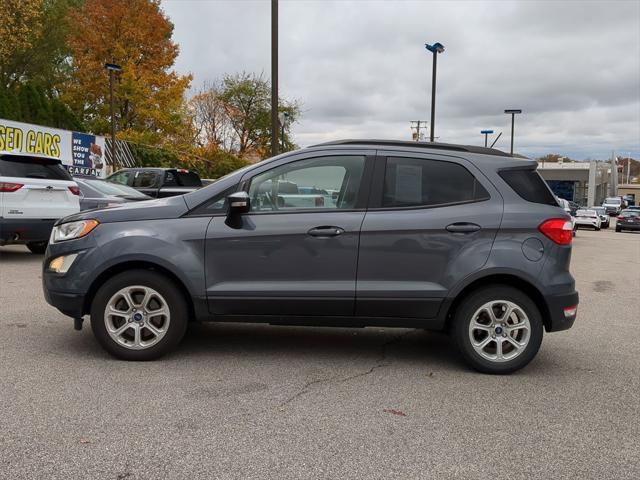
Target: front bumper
[
  {"x": 23, "y": 230},
  {"x": 557, "y": 304},
  {"x": 70, "y": 304}
]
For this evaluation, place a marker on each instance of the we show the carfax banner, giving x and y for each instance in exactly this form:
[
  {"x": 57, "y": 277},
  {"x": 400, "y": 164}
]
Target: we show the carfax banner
[{"x": 80, "y": 153}]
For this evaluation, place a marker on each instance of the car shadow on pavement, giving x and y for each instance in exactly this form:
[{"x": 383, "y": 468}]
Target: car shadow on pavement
[{"x": 17, "y": 254}]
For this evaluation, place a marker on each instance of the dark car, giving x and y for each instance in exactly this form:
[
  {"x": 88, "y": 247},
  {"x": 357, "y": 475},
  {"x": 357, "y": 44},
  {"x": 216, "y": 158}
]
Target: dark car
[
  {"x": 158, "y": 182},
  {"x": 454, "y": 238},
  {"x": 628, "y": 220},
  {"x": 97, "y": 193}
]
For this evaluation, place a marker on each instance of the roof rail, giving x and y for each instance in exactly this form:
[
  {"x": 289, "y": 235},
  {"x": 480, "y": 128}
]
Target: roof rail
[{"x": 406, "y": 143}]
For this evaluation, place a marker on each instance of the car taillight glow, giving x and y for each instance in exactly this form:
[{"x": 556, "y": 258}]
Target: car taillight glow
[
  {"x": 559, "y": 230},
  {"x": 10, "y": 187},
  {"x": 74, "y": 190}
]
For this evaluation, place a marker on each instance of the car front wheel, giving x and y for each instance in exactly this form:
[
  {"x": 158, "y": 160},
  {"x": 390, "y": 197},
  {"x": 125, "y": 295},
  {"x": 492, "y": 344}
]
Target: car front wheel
[
  {"x": 498, "y": 329},
  {"x": 139, "y": 315}
]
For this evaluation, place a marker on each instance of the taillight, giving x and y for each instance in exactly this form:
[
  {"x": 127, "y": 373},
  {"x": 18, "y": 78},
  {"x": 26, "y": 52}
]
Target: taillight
[
  {"x": 620, "y": 217},
  {"x": 558, "y": 230},
  {"x": 10, "y": 187},
  {"x": 74, "y": 190}
]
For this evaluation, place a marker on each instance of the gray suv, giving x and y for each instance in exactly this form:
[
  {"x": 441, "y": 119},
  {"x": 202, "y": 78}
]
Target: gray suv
[{"x": 352, "y": 233}]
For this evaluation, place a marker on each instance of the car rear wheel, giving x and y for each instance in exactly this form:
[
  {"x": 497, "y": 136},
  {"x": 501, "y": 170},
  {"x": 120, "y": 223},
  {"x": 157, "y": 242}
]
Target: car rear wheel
[
  {"x": 498, "y": 329},
  {"x": 37, "y": 247},
  {"x": 139, "y": 315}
]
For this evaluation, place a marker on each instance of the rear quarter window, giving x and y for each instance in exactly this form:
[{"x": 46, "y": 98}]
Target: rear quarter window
[
  {"x": 529, "y": 185},
  {"x": 32, "y": 167},
  {"x": 189, "y": 179}
]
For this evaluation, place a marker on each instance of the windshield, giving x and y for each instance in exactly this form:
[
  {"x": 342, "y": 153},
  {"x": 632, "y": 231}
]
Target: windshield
[
  {"x": 600, "y": 210},
  {"x": 114, "y": 189},
  {"x": 615, "y": 201},
  {"x": 32, "y": 167}
]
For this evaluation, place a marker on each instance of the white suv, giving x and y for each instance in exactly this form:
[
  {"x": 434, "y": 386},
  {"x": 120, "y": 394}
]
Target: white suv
[{"x": 34, "y": 193}]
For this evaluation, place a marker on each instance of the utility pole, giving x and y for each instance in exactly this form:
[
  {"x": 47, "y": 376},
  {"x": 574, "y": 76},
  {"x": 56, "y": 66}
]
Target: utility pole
[
  {"x": 274, "y": 77},
  {"x": 418, "y": 125},
  {"x": 112, "y": 68}
]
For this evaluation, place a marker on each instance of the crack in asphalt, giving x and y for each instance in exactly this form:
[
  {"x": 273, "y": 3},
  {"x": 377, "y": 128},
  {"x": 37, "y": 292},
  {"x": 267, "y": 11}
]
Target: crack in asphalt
[{"x": 381, "y": 362}]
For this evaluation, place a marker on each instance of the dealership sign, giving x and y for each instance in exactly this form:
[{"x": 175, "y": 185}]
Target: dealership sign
[{"x": 80, "y": 153}]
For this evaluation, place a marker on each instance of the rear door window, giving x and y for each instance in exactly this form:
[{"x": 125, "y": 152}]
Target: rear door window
[
  {"x": 32, "y": 167},
  {"x": 145, "y": 179},
  {"x": 416, "y": 182},
  {"x": 189, "y": 179},
  {"x": 529, "y": 185}
]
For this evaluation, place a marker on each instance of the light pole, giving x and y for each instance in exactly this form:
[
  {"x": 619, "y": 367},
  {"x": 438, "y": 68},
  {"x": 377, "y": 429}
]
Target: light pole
[
  {"x": 112, "y": 68},
  {"x": 513, "y": 113},
  {"x": 436, "y": 48},
  {"x": 274, "y": 77},
  {"x": 486, "y": 133}
]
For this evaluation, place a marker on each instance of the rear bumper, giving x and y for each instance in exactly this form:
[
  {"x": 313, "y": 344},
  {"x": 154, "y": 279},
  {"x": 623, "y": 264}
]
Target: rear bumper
[
  {"x": 628, "y": 226},
  {"x": 23, "y": 230},
  {"x": 557, "y": 304}
]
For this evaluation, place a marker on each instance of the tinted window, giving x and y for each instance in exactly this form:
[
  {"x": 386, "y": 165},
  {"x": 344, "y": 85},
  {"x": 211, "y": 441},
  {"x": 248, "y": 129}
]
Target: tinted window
[
  {"x": 316, "y": 183},
  {"x": 189, "y": 179},
  {"x": 170, "y": 180},
  {"x": 120, "y": 177},
  {"x": 145, "y": 179},
  {"x": 32, "y": 167},
  {"x": 529, "y": 185},
  {"x": 412, "y": 182}
]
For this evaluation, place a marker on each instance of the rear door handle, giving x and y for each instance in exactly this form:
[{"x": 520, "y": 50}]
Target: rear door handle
[
  {"x": 325, "y": 231},
  {"x": 463, "y": 227}
]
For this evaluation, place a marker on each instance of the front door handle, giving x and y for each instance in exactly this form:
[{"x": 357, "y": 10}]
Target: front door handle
[
  {"x": 325, "y": 231},
  {"x": 463, "y": 227}
]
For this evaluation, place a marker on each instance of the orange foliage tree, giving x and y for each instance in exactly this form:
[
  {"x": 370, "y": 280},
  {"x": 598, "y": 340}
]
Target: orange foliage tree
[{"x": 149, "y": 95}]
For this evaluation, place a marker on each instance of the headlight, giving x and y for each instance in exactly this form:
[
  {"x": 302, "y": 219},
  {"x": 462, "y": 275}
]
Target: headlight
[{"x": 71, "y": 230}]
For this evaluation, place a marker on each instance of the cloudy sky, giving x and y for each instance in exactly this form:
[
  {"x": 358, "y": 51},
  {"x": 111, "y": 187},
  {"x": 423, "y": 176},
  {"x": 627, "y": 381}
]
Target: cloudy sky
[{"x": 360, "y": 68}]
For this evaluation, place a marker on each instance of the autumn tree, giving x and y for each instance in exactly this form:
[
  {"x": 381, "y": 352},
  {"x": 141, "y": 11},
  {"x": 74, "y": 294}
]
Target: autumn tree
[
  {"x": 135, "y": 34},
  {"x": 235, "y": 115}
]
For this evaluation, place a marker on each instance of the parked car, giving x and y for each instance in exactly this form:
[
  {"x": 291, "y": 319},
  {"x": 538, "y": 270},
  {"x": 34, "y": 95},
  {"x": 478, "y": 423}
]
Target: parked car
[
  {"x": 566, "y": 206},
  {"x": 588, "y": 218},
  {"x": 97, "y": 193},
  {"x": 462, "y": 239},
  {"x": 628, "y": 220},
  {"x": 613, "y": 205},
  {"x": 34, "y": 193},
  {"x": 633, "y": 207},
  {"x": 158, "y": 182},
  {"x": 604, "y": 217}
]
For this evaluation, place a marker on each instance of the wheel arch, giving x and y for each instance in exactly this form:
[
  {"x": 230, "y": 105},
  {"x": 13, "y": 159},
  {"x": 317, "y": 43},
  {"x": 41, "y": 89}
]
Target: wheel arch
[
  {"x": 506, "y": 279},
  {"x": 136, "y": 265}
]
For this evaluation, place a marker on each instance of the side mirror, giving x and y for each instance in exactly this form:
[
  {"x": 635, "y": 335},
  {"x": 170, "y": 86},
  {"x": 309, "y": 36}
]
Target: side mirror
[{"x": 239, "y": 203}]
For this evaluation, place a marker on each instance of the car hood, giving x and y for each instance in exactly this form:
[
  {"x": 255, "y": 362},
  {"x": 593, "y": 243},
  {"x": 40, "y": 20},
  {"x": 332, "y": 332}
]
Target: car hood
[{"x": 161, "y": 208}]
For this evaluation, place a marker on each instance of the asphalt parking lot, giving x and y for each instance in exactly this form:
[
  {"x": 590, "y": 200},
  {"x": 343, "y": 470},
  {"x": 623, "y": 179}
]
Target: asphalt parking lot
[{"x": 252, "y": 401}]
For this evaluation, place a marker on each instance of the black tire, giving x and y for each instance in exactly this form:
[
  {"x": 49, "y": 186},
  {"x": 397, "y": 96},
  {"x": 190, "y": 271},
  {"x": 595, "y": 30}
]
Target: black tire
[
  {"x": 475, "y": 301},
  {"x": 597, "y": 229},
  {"x": 618, "y": 229},
  {"x": 176, "y": 303},
  {"x": 37, "y": 247}
]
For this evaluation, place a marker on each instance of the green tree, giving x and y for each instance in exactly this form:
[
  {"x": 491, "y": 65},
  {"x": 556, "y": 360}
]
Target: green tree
[{"x": 234, "y": 114}]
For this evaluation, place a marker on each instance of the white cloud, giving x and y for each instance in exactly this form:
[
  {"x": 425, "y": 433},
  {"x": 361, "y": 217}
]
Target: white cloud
[{"x": 360, "y": 68}]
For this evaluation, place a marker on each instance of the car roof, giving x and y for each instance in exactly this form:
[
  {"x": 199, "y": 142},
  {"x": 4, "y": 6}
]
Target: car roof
[{"x": 424, "y": 145}]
